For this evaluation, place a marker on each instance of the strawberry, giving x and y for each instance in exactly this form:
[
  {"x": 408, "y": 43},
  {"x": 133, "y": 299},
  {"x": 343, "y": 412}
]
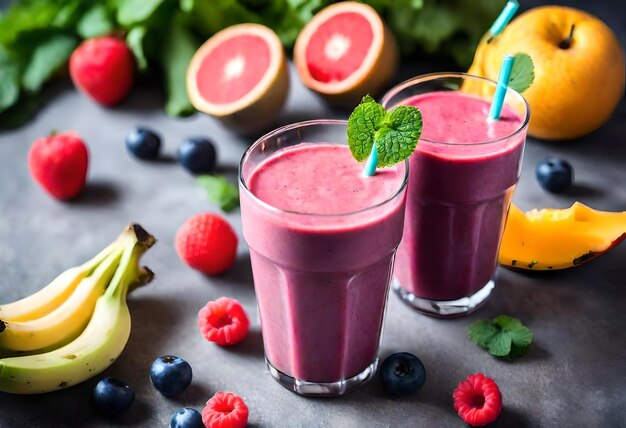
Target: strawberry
[
  {"x": 477, "y": 400},
  {"x": 103, "y": 69},
  {"x": 206, "y": 242},
  {"x": 59, "y": 164}
]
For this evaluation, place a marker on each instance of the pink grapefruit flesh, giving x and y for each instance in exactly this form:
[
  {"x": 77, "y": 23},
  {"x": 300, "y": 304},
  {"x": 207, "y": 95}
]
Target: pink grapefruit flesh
[
  {"x": 240, "y": 77},
  {"x": 346, "y": 52},
  {"x": 339, "y": 47},
  {"x": 241, "y": 61}
]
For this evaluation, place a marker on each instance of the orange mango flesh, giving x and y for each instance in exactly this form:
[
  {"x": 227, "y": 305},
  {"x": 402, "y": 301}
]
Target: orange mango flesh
[{"x": 550, "y": 239}]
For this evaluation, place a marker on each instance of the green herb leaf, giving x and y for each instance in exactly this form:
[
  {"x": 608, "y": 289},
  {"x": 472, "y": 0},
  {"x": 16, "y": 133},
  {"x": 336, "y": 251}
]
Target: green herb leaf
[
  {"x": 180, "y": 45},
  {"x": 503, "y": 337},
  {"x": 131, "y": 12},
  {"x": 482, "y": 332},
  {"x": 397, "y": 140},
  {"x": 9, "y": 81},
  {"x": 47, "y": 58},
  {"x": 395, "y": 133},
  {"x": 220, "y": 191},
  {"x": 365, "y": 120},
  {"x": 522, "y": 73},
  {"x": 95, "y": 22},
  {"x": 134, "y": 40}
]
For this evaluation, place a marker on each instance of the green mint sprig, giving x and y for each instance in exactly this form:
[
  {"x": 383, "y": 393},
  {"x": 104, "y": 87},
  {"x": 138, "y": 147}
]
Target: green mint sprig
[
  {"x": 394, "y": 132},
  {"x": 503, "y": 337},
  {"x": 220, "y": 191},
  {"x": 522, "y": 73}
]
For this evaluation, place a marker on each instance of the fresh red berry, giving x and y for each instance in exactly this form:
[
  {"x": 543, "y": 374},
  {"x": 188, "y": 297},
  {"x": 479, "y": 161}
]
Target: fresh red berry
[
  {"x": 59, "y": 164},
  {"x": 223, "y": 321},
  {"x": 477, "y": 400},
  {"x": 207, "y": 242},
  {"x": 103, "y": 68},
  {"x": 225, "y": 410}
]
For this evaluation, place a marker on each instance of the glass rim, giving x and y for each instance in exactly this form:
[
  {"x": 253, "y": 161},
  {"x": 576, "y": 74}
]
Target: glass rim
[
  {"x": 459, "y": 75},
  {"x": 296, "y": 125}
]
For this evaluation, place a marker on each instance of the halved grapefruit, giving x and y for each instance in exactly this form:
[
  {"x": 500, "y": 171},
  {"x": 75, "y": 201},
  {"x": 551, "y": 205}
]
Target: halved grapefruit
[
  {"x": 240, "y": 76},
  {"x": 346, "y": 52}
]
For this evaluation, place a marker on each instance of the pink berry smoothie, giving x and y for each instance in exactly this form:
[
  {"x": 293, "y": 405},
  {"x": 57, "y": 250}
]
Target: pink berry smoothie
[
  {"x": 462, "y": 177},
  {"x": 322, "y": 239}
]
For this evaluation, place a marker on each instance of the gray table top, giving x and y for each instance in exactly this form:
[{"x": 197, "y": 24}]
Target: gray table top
[{"x": 574, "y": 375}]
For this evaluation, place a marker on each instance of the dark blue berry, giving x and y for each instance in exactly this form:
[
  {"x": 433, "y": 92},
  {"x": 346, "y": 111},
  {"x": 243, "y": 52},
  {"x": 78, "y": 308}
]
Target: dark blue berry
[
  {"x": 170, "y": 375},
  {"x": 197, "y": 155},
  {"x": 402, "y": 373},
  {"x": 112, "y": 396},
  {"x": 554, "y": 174},
  {"x": 143, "y": 143},
  {"x": 186, "y": 417}
]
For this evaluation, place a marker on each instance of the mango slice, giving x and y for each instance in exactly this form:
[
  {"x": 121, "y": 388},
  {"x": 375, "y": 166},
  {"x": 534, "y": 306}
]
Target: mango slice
[{"x": 550, "y": 239}]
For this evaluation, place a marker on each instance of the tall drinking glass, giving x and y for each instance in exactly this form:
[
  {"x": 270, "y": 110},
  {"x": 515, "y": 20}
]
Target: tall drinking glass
[
  {"x": 462, "y": 177},
  {"x": 321, "y": 272}
]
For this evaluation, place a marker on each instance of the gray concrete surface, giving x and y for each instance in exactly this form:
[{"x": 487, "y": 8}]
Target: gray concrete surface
[{"x": 574, "y": 375}]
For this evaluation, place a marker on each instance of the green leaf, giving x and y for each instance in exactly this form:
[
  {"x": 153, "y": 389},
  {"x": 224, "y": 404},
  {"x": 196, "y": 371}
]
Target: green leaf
[
  {"x": 503, "y": 337},
  {"x": 397, "y": 140},
  {"x": 95, "y": 22},
  {"x": 9, "y": 81},
  {"x": 26, "y": 16},
  {"x": 220, "y": 191},
  {"x": 180, "y": 45},
  {"x": 365, "y": 120},
  {"x": 131, "y": 12},
  {"x": 47, "y": 58},
  {"x": 482, "y": 332},
  {"x": 500, "y": 344},
  {"x": 135, "y": 41},
  {"x": 522, "y": 73},
  {"x": 520, "y": 335},
  {"x": 395, "y": 133}
]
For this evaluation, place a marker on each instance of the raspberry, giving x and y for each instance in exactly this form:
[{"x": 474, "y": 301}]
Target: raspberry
[
  {"x": 103, "y": 69},
  {"x": 223, "y": 321},
  {"x": 225, "y": 410},
  {"x": 477, "y": 400},
  {"x": 59, "y": 164},
  {"x": 206, "y": 242}
]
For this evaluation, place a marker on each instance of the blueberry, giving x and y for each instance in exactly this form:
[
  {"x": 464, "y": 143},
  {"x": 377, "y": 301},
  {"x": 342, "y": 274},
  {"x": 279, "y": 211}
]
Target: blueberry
[
  {"x": 554, "y": 174},
  {"x": 186, "y": 417},
  {"x": 143, "y": 143},
  {"x": 402, "y": 373},
  {"x": 197, "y": 155},
  {"x": 112, "y": 396},
  {"x": 170, "y": 375}
]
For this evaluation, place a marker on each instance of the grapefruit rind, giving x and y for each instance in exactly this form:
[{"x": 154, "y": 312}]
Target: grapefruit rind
[
  {"x": 377, "y": 68},
  {"x": 258, "y": 107}
]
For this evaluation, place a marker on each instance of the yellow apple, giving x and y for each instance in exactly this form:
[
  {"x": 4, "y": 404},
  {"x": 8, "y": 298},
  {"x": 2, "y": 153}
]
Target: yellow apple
[{"x": 579, "y": 69}]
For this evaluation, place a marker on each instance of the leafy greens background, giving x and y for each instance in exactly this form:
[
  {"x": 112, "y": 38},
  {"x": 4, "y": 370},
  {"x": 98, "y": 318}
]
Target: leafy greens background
[{"x": 38, "y": 36}]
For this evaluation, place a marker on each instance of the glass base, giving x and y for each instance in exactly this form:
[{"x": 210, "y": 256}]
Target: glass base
[
  {"x": 444, "y": 308},
  {"x": 321, "y": 389}
]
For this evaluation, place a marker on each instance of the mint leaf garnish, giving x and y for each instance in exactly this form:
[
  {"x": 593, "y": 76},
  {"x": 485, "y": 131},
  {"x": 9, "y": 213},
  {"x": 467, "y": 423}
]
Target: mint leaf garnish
[
  {"x": 522, "y": 73},
  {"x": 220, "y": 191},
  {"x": 395, "y": 133},
  {"x": 503, "y": 337},
  {"x": 363, "y": 123}
]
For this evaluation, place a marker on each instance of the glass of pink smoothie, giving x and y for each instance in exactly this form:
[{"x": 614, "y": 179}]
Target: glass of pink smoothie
[
  {"x": 322, "y": 240},
  {"x": 462, "y": 177}
]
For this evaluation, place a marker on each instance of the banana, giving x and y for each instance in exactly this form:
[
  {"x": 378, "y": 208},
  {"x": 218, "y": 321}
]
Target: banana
[
  {"x": 54, "y": 294},
  {"x": 98, "y": 346},
  {"x": 69, "y": 319}
]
